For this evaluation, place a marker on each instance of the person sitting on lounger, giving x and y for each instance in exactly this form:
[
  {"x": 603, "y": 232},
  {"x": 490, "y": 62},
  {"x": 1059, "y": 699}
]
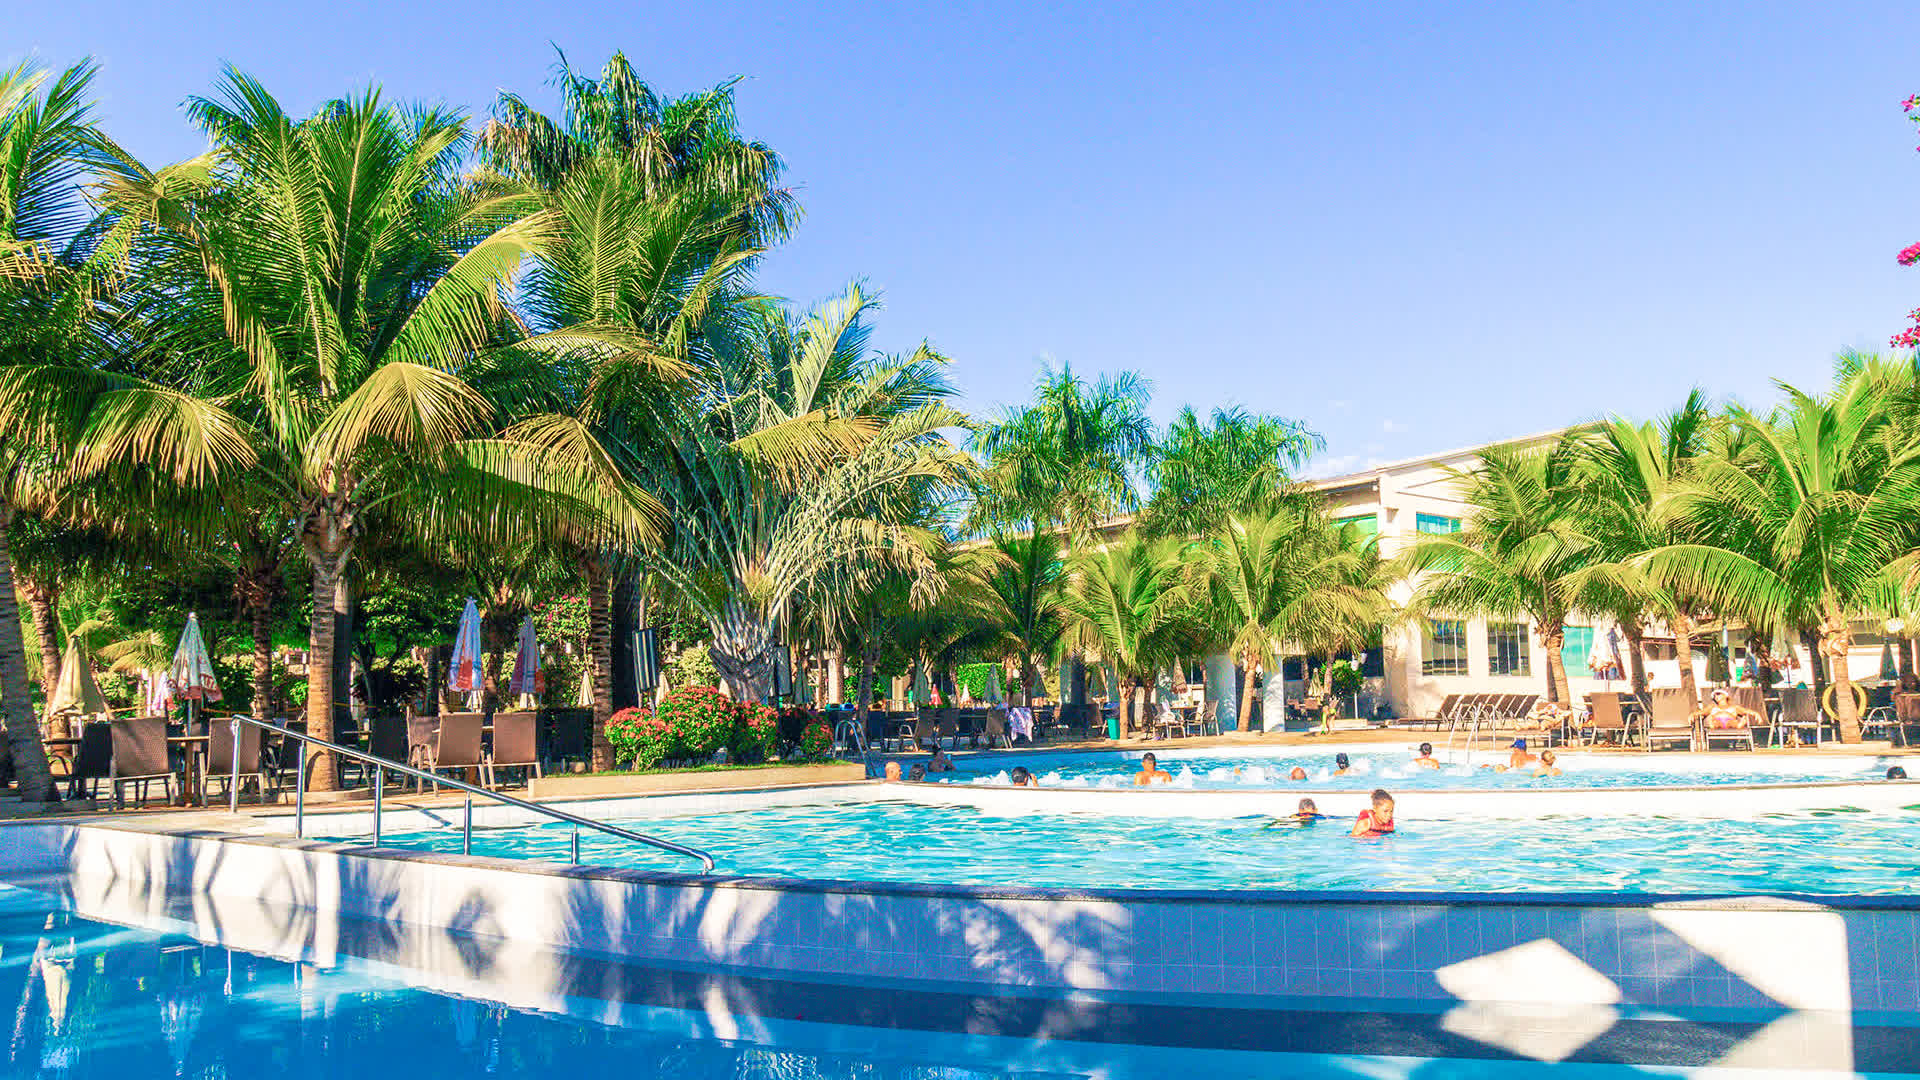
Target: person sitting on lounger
[
  {"x": 1021, "y": 777},
  {"x": 1341, "y": 765},
  {"x": 1723, "y": 715},
  {"x": 1150, "y": 772},
  {"x": 917, "y": 774},
  {"x": 1377, "y": 819},
  {"x": 1425, "y": 760},
  {"x": 1547, "y": 767},
  {"x": 941, "y": 762}
]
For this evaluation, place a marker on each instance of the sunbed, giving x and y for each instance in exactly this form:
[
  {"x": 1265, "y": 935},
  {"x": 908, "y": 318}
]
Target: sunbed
[{"x": 1670, "y": 718}]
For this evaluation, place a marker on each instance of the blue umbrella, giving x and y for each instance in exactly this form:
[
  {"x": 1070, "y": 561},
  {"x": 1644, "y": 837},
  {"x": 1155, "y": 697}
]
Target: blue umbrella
[{"x": 465, "y": 673}]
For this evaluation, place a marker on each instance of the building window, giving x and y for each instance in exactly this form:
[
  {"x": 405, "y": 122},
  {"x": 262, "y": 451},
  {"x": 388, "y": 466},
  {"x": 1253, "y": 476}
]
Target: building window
[
  {"x": 1509, "y": 649},
  {"x": 1367, "y": 524},
  {"x": 1576, "y": 648},
  {"x": 1435, "y": 524},
  {"x": 1444, "y": 652}
]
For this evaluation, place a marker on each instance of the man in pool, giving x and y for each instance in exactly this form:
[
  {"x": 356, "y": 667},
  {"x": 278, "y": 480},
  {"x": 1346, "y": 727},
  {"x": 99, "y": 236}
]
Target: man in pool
[
  {"x": 1021, "y": 777},
  {"x": 1520, "y": 759},
  {"x": 1150, "y": 772},
  {"x": 1341, "y": 765},
  {"x": 1547, "y": 766},
  {"x": 941, "y": 762},
  {"x": 1425, "y": 758},
  {"x": 1377, "y": 819},
  {"x": 892, "y": 772},
  {"x": 917, "y": 774}
]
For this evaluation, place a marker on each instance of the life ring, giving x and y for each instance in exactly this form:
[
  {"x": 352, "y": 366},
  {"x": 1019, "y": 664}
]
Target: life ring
[{"x": 1828, "y": 696}]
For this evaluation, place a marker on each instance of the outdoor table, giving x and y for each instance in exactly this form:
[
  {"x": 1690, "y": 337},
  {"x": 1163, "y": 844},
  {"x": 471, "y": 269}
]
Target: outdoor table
[{"x": 195, "y": 748}]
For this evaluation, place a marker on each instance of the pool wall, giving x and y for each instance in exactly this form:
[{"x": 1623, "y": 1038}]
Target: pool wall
[{"x": 1670, "y": 981}]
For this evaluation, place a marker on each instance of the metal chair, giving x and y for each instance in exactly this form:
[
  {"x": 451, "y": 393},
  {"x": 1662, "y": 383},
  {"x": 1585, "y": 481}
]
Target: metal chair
[
  {"x": 140, "y": 757},
  {"x": 221, "y": 763},
  {"x": 514, "y": 736},
  {"x": 456, "y": 743},
  {"x": 93, "y": 761}
]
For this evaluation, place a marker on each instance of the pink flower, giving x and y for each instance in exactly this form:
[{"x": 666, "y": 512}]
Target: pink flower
[
  {"x": 1911, "y": 103},
  {"x": 1909, "y": 255},
  {"x": 1907, "y": 339}
]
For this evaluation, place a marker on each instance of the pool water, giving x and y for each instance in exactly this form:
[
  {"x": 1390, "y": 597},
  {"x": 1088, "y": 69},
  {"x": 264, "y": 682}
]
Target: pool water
[
  {"x": 1805, "y": 852},
  {"x": 91, "y": 1000},
  {"x": 1374, "y": 765}
]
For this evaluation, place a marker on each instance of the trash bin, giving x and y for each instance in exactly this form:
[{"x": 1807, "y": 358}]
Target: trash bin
[{"x": 1113, "y": 726}]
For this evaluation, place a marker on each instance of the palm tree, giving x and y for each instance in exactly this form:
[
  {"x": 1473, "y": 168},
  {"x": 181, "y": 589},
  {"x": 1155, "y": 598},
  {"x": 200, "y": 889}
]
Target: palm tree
[
  {"x": 48, "y": 142},
  {"x": 326, "y": 291},
  {"x": 1628, "y": 474},
  {"x": 1068, "y": 458},
  {"x": 1131, "y": 601},
  {"x": 1521, "y": 553},
  {"x": 1016, "y": 584},
  {"x": 1202, "y": 472},
  {"x": 1809, "y": 515},
  {"x": 1279, "y": 574}
]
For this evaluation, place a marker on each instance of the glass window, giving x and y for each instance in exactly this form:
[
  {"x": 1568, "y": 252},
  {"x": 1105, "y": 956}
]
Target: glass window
[
  {"x": 1509, "y": 649},
  {"x": 1444, "y": 652},
  {"x": 1368, "y": 524},
  {"x": 1434, "y": 523},
  {"x": 1576, "y": 648}
]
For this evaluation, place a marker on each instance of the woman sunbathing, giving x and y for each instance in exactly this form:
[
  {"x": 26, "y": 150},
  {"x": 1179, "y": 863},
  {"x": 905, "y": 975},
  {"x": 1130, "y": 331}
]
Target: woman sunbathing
[{"x": 1722, "y": 714}]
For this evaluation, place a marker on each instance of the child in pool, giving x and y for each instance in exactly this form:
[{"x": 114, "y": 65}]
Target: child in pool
[
  {"x": 1150, "y": 772},
  {"x": 1022, "y": 777},
  {"x": 1425, "y": 760},
  {"x": 1298, "y": 773},
  {"x": 1376, "y": 820},
  {"x": 1341, "y": 765},
  {"x": 1307, "y": 812},
  {"x": 1547, "y": 766}
]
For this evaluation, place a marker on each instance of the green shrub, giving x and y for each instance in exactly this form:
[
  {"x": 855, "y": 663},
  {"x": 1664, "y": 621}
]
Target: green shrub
[{"x": 701, "y": 720}]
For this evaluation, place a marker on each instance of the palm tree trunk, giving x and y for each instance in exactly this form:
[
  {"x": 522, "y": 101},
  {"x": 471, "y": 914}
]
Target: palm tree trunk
[
  {"x": 1836, "y": 640},
  {"x": 1637, "y": 661},
  {"x": 1683, "y": 652},
  {"x": 26, "y": 752},
  {"x": 869, "y": 664},
  {"x": 600, "y": 655},
  {"x": 327, "y": 554},
  {"x": 1559, "y": 691},
  {"x": 742, "y": 652},
  {"x": 41, "y": 598},
  {"x": 1246, "y": 692},
  {"x": 261, "y": 618}
]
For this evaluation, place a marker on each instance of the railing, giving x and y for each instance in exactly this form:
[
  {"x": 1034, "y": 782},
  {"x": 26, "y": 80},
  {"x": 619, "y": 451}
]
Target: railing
[{"x": 381, "y": 766}]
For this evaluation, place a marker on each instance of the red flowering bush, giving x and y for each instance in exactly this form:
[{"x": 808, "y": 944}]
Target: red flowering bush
[
  {"x": 701, "y": 719},
  {"x": 756, "y": 734},
  {"x": 640, "y": 738},
  {"x": 816, "y": 741}
]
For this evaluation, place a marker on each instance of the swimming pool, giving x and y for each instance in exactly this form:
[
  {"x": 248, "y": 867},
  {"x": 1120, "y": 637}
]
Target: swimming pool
[
  {"x": 1819, "y": 852},
  {"x": 1392, "y": 766},
  {"x": 93, "y": 999}
]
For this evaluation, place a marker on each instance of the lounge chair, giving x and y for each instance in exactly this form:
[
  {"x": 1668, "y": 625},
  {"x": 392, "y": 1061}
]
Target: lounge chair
[
  {"x": 221, "y": 755},
  {"x": 949, "y": 721},
  {"x": 514, "y": 746},
  {"x": 1880, "y": 715},
  {"x": 140, "y": 757},
  {"x": 1742, "y": 698},
  {"x": 1209, "y": 718},
  {"x": 923, "y": 729},
  {"x": 1167, "y": 723},
  {"x": 1441, "y": 715},
  {"x": 1670, "y": 719},
  {"x": 1799, "y": 712},
  {"x": 1609, "y": 718}
]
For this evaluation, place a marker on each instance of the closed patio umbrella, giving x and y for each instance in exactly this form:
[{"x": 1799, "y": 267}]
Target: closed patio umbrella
[
  {"x": 76, "y": 691},
  {"x": 1889, "y": 671},
  {"x": 1604, "y": 659},
  {"x": 527, "y": 679},
  {"x": 192, "y": 672},
  {"x": 463, "y": 675}
]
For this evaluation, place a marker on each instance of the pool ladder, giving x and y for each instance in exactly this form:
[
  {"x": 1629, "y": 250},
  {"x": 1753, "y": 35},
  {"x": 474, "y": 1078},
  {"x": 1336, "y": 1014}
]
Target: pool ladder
[{"x": 381, "y": 766}]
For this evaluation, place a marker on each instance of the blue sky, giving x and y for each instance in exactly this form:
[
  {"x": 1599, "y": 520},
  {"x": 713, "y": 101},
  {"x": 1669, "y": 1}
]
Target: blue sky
[{"x": 1413, "y": 229}]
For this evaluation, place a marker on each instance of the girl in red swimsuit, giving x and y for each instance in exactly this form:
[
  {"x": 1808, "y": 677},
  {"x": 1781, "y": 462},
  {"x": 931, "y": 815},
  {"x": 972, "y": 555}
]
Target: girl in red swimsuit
[{"x": 1378, "y": 820}]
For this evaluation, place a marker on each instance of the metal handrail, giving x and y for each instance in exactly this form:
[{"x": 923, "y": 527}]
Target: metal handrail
[{"x": 381, "y": 765}]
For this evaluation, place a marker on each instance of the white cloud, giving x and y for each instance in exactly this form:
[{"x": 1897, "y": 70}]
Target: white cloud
[{"x": 1392, "y": 426}]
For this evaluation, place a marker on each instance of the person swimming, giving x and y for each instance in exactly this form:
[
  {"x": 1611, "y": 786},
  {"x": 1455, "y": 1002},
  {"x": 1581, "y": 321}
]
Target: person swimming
[
  {"x": 892, "y": 772},
  {"x": 941, "y": 762},
  {"x": 1547, "y": 766},
  {"x": 1341, "y": 765},
  {"x": 1425, "y": 758},
  {"x": 1895, "y": 772},
  {"x": 1377, "y": 819},
  {"x": 1150, "y": 772},
  {"x": 1022, "y": 777},
  {"x": 1520, "y": 759},
  {"x": 1297, "y": 773},
  {"x": 1307, "y": 812},
  {"x": 917, "y": 774}
]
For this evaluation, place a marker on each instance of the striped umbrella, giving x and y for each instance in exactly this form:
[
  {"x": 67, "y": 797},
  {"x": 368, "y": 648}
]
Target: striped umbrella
[
  {"x": 192, "y": 671},
  {"x": 527, "y": 676},
  {"x": 464, "y": 675}
]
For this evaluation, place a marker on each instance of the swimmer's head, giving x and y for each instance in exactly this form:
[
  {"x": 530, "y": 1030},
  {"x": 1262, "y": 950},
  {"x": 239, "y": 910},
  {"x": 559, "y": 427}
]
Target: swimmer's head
[
  {"x": 917, "y": 773},
  {"x": 892, "y": 771},
  {"x": 1021, "y": 776},
  {"x": 1307, "y": 807},
  {"x": 1148, "y": 762},
  {"x": 1895, "y": 772},
  {"x": 1298, "y": 773},
  {"x": 1340, "y": 761},
  {"x": 1519, "y": 744},
  {"x": 1546, "y": 757},
  {"x": 1426, "y": 749}
]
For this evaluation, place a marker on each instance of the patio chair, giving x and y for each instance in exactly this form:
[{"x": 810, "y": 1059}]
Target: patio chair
[
  {"x": 422, "y": 733},
  {"x": 456, "y": 744},
  {"x": 514, "y": 738},
  {"x": 1799, "y": 712},
  {"x": 1166, "y": 723},
  {"x": 996, "y": 728},
  {"x": 387, "y": 738},
  {"x": 566, "y": 733},
  {"x": 1609, "y": 718},
  {"x": 1879, "y": 714},
  {"x": 1906, "y": 712},
  {"x": 220, "y": 757},
  {"x": 140, "y": 757},
  {"x": 92, "y": 760},
  {"x": 949, "y": 730},
  {"x": 1670, "y": 719},
  {"x": 923, "y": 730},
  {"x": 1209, "y": 718}
]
